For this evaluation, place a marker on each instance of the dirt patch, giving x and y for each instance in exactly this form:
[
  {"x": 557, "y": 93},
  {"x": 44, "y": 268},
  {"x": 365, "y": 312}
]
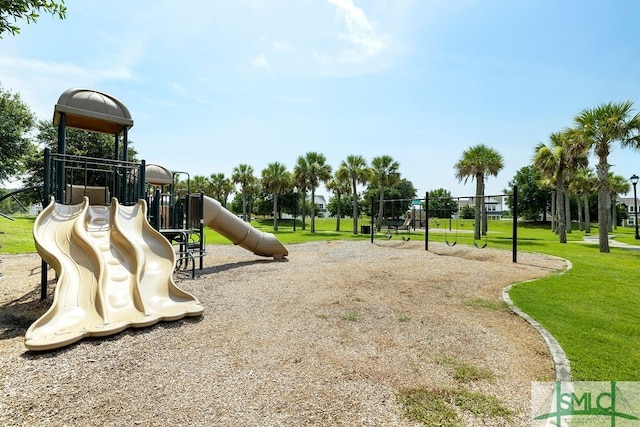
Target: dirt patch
[{"x": 327, "y": 337}]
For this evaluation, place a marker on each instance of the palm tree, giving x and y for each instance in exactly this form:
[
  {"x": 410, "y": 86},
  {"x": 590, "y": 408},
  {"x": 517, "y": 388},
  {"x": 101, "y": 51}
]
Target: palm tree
[
  {"x": 576, "y": 159},
  {"x": 243, "y": 175},
  {"x": 275, "y": 179},
  {"x": 548, "y": 186},
  {"x": 384, "y": 174},
  {"x": 317, "y": 171},
  {"x": 601, "y": 128},
  {"x": 582, "y": 185},
  {"x": 339, "y": 187},
  {"x": 354, "y": 170},
  {"x": 301, "y": 180},
  {"x": 617, "y": 185},
  {"x": 478, "y": 162},
  {"x": 253, "y": 191},
  {"x": 221, "y": 187},
  {"x": 551, "y": 161},
  {"x": 559, "y": 163},
  {"x": 200, "y": 183}
]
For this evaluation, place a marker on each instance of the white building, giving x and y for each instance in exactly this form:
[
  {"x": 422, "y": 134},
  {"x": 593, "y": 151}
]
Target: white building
[
  {"x": 628, "y": 202},
  {"x": 492, "y": 205},
  {"x": 321, "y": 206}
]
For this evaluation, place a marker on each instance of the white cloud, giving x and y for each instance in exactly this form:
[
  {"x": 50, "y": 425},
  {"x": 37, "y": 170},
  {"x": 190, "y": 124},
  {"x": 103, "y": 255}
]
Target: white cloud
[
  {"x": 321, "y": 58},
  {"x": 363, "y": 39},
  {"x": 295, "y": 99},
  {"x": 93, "y": 72},
  {"x": 281, "y": 46},
  {"x": 192, "y": 94},
  {"x": 179, "y": 89},
  {"x": 41, "y": 82},
  {"x": 260, "y": 61}
]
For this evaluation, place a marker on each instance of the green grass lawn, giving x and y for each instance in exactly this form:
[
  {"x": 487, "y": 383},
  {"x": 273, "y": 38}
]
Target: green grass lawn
[
  {"x": 325, "y": 230},
  {"x": 16, "y": 236},
  {"x": 591, "y": 309}
]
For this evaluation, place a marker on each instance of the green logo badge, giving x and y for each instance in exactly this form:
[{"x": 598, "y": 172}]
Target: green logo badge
[{"x": 602, "y": 403}]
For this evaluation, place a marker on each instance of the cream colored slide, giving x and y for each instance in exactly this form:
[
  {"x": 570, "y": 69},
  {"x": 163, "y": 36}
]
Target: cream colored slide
[
  {"x": 114, "y": 271},
  {"x": 240, "y": 232}
]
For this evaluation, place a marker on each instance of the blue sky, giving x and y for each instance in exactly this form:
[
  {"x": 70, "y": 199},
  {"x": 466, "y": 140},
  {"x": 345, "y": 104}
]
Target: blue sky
[{"x": 215, "y": 83}]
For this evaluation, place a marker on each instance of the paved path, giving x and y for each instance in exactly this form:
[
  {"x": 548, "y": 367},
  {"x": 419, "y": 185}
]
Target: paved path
[{"x": 594, "y": 240}]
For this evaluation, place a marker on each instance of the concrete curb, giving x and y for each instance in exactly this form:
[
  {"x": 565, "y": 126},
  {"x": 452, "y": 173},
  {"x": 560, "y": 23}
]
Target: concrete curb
[{"x": 560, "y": 360}]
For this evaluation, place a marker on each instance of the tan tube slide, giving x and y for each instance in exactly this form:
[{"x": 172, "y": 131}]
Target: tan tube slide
[{"x": 241, "y": 233}]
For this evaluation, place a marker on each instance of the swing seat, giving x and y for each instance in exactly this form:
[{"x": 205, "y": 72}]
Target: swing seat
[{"x": 478, "y": 246}]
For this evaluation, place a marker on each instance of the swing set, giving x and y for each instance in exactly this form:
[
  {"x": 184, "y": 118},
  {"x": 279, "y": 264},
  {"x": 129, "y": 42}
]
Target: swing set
[
  {"x": 446, "y": 237},
  {"x": 480, "y": 245},
  {"x": 417, "y": 215},
  {"x": 447, "y": 214}
]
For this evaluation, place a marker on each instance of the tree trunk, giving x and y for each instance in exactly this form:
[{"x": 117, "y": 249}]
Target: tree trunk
[
  {"x": 562, "y": 232},
  {"x": 380, "y": 208},
  {"x": 554, "y": 211},
  {"x": 354, "y": 203},
  {"x": 580, "y": 224},
  {"x": 614, "y": 213},
  {"x": 485, "y": 223},
  {"x": 587, "y": 215},
  {"x": 339, "y": 211},
  {"x": 478, "y": 207},
  {"x": 602, "y": 170},
  {"x": 244, "y": 204},
  {"x": 275, "y": 212},
  {"x": 313, "y": 210},
  {"x": 304, "y": 210},
  {"x": 567, "y": 205},
  {"x": 609, "y": 216}
]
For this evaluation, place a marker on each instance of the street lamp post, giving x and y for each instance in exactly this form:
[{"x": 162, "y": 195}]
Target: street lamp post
[
  {"x": 634, "y": 180},
  {"x": 295, "y": 207}
]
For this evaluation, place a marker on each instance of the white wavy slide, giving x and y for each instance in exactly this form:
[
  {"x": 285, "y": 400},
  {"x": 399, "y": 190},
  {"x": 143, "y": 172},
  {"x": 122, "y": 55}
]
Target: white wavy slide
[{"x": 114, "y": 271}]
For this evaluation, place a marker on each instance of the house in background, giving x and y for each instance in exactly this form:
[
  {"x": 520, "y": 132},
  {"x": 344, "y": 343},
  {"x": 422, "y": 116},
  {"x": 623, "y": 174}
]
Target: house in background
[
  {"x": 630, "y": 206},
  {"x": 492, "y": 205},
  {"x": 321, "y": 206},
  {"x": 35, "y": 209}
]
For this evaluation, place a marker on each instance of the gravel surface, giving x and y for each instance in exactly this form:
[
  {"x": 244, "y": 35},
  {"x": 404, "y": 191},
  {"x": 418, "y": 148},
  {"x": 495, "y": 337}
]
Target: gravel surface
[{"x": 327, "y": 337}]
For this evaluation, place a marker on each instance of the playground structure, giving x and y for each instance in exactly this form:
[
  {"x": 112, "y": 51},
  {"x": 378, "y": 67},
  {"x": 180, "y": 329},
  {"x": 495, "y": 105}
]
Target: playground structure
[
  {"x": 114, "y": 258},
  {"x": 114, "y": 271},
  {"x": 415, "y": 217},
  {"x": 180, "y": 219},
  {"x": 398, "y": 215}
]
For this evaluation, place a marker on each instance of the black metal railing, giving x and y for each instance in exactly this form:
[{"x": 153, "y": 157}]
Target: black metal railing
[{"x": 69, "y": 178}]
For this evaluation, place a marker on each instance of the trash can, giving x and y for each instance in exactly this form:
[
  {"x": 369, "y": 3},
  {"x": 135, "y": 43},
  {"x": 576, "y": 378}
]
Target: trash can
[{"x": 365, "y": 229}]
